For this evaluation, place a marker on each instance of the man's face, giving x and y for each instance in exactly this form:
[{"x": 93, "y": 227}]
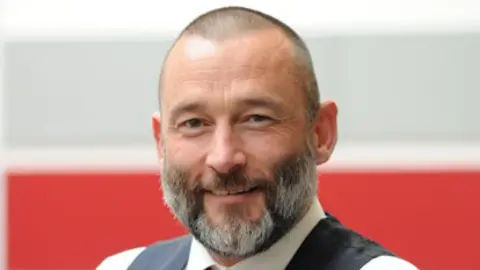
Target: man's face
[{"x": 238, "y": 154}]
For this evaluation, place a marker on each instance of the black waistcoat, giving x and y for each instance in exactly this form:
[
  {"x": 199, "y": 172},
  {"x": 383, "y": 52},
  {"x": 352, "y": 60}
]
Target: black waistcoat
[{"x": 329, "y": 246}]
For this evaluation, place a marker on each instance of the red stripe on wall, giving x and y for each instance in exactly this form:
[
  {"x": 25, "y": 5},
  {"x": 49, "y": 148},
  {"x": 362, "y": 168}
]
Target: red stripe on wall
[{"x": 74, "y": 220}]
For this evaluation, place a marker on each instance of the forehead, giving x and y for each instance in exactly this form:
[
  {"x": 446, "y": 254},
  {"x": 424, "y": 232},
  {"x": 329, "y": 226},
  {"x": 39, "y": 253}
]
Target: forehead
[{"x": 259, "y": 63}]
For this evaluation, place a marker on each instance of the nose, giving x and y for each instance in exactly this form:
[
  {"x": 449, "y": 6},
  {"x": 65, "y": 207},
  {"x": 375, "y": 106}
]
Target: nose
[{"x": 225, "y": 154}]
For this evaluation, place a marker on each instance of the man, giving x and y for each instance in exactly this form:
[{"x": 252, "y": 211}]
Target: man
[{"x": 239, "y": 136}]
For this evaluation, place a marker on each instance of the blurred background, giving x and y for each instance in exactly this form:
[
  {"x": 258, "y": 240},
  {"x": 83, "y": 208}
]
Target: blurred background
[{"x": 79, "y": 87}]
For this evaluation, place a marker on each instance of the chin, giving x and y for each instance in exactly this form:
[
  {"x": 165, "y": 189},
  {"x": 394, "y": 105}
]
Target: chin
[{"x": 234, "y": 214}]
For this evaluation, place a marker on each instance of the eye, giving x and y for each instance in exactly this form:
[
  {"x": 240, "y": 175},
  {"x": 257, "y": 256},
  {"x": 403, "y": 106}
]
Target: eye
[
  {"x": 258, "y": 119},
  {"x": 192, "y": 123}
]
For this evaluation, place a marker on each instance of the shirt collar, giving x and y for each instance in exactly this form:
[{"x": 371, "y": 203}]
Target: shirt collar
[{"x": 276, "y": 257}]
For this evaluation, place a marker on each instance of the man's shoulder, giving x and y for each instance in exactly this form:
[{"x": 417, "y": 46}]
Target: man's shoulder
[
  {"x": 390, "y": 263},
  {"x": 120, "y": 260},
  {"x": 123, "y": 259},
  {"x": 351, "y": 249}
]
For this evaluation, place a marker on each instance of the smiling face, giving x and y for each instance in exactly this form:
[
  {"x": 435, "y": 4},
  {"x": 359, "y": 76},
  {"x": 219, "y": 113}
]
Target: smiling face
[{"x": 238, "y": 152}]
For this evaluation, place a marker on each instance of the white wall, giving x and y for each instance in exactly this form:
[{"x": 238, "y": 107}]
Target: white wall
[
  {"x": 3, "y": 186},
  {"x": 113, "y": 17},
  {"x": 412, "y": 87}
]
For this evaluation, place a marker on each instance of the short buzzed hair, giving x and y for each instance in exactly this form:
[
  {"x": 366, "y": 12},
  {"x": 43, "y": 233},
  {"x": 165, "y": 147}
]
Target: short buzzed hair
[{"x": 226, "y": 22}]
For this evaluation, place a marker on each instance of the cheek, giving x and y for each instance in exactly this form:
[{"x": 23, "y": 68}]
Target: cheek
[
  {"x": 265, "y": 150},
  {"x": 184, "y": 153},
  {"x": 260, "y": 144}
]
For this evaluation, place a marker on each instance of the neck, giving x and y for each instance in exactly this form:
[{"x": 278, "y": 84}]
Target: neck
[{"x": 227, "y": 262}]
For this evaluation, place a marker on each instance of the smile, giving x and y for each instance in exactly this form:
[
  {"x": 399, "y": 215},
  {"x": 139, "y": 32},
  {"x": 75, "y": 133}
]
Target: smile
[{"x": 233, "y": 191}]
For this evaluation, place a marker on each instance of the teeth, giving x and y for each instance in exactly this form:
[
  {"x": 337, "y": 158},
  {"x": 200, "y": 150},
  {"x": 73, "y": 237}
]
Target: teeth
[{"x": 230, "y": 192}]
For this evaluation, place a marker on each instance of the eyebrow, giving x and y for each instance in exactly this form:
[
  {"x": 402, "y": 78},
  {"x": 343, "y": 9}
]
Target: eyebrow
[
  {"x": 258, "y": 102},
  {"x": 186, "y": 107},
  {"x": 267, "y": 103}
]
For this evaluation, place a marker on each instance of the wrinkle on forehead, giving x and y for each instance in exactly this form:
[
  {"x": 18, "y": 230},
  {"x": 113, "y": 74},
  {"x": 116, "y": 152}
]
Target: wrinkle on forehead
[{"x": 196, "y": 60}]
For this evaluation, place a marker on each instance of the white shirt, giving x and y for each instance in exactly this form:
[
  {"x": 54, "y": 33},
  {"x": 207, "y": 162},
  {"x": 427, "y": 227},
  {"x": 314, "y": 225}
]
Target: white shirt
[{"x": 275, "y": 258}]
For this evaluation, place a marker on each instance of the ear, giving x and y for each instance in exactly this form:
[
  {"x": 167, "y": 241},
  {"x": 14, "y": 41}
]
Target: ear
[
  {"x": 325, "y": 131},
  {"x": 157, "y": 134}
]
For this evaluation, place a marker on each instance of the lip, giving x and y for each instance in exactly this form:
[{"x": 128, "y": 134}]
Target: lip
[
  {"x": 236, "y": 191},
  {"x": 234, "y": 198}
]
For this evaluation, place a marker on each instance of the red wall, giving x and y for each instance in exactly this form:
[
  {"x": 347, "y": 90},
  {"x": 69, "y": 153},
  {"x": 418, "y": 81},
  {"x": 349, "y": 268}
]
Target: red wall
[{"x": 73, "y": 220}]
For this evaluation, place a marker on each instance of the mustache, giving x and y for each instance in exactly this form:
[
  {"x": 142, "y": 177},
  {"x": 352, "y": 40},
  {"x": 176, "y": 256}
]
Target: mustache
[
  {"x": 179, "y": 179},
  {"x": 286, "y": 172},
  {"x": 232, "y": 180}
]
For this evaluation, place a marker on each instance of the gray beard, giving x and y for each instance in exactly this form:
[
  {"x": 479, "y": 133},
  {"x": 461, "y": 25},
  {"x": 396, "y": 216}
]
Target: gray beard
[{"x": 291, "y": 193}]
